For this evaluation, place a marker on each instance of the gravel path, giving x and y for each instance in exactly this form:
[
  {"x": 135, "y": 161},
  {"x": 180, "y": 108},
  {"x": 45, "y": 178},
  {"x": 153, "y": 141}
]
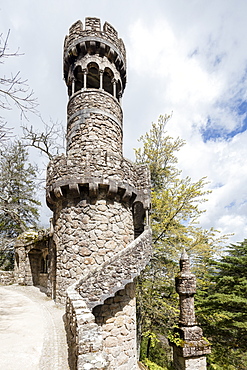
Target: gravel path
[{"x": 32, "y": 335}]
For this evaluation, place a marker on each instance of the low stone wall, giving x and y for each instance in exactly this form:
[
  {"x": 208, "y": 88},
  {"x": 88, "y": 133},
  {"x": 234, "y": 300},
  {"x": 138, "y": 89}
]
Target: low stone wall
[
  {"x": 7, "y": 277},
  {"x": 84, "y": 336}
]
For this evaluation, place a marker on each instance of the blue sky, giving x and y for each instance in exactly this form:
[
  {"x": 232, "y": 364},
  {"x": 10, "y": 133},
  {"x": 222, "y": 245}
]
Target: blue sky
[{"x": 186, "y": 57}]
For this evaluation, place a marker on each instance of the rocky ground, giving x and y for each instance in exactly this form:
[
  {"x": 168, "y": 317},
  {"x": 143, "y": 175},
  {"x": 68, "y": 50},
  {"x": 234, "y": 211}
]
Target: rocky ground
[{"x": 32, "y": 335}]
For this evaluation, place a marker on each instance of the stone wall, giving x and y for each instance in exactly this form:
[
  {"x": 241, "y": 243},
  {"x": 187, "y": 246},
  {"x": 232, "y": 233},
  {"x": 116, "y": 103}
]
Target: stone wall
[
  {"x": 84, "y": 336},
  {"x": 6, "y": 277},
  {"x": 92, "y": 167},
  {"x": 99, "y": 125},
  {"x": 116, "y": 317},
  {"x": 87, "y": 236}
]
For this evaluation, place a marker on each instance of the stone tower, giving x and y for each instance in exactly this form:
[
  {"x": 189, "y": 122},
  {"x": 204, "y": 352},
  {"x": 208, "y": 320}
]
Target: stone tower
[
  {"x": 100, "y": 201},
  {"x": 191, "y": 353}
]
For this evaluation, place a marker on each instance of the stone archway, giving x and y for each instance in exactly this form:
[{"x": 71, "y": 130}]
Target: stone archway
[{"x": 31, "y": 258}]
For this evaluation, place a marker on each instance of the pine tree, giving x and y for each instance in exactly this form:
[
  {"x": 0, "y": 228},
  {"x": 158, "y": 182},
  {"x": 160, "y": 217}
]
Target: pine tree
[
  {"x": 222, "y": 308},
  {"x": 18, "y": 205}
]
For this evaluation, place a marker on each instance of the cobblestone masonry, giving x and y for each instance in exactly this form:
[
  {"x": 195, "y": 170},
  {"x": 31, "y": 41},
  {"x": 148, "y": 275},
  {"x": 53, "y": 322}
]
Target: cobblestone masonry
[
  {"x": 100, "y": 204},
  {"x": 6, "y": 277},
  {"x": 115, "y": 333}
]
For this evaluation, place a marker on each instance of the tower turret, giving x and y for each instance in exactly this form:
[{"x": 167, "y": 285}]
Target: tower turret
[
  {"x": 95, "y": 74},
  {"x": 100, "y": 204}
]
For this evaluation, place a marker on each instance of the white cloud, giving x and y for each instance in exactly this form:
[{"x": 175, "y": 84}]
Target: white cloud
[{"x": 185, "y": 57}]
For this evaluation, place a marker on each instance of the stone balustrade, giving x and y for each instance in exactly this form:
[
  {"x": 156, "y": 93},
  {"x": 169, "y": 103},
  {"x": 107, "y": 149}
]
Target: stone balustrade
[{"x": 86, "y": 337}]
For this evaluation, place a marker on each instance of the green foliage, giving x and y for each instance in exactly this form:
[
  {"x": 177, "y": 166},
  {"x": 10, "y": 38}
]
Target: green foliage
[
  {"x": 7, "y": 259},
  {"x": 222, "y": 308},
  {"x": 159, "y": 353},
  {"x": 18, "y": 205},
  {"x": 176, "y": 208},
  {"x": 176, "y": 201},
  {"x": 152, "y": 365},
  {"x": 174, "y": 337}
]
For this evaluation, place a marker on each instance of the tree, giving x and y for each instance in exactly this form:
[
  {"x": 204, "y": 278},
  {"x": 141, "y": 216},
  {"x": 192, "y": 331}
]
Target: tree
[
  {"x": 222, "y": 308},
  {"x": 18, "y": 205},
  {"x": 176, "y": 208},
  {"x": 13, "y": 89}
]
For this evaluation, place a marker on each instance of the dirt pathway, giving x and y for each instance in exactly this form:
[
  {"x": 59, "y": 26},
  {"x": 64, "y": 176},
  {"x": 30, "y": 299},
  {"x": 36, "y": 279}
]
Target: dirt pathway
[{"x": 32, "y": 335}]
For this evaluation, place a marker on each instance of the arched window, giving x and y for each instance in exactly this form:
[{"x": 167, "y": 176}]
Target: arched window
[
  {"x": 17, "y": 259},
  {"x": 78, "y": 78},
  {"x": 93, "y": 76},
  {"x": 119, "y": 90},
  {"x": 70, "y": 89},
  {"x": 107, "y": 81}
]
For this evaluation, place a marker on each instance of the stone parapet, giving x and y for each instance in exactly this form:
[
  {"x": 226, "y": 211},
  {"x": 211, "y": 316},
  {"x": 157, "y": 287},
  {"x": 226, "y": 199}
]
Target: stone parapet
[
  {"x": 96, "y": 173},
  {"x": 118, "y": 271},
  {"x": 91, "y": 341},
  {"x": 85, "y": 337},
  {"x": 94, "y": 39}
]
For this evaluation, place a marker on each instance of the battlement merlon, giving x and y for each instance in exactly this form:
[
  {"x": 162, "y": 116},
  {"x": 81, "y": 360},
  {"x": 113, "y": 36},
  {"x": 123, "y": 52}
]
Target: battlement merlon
[
  {"x": 121, "y": 178},
  {"x": 92, "y": 38}
]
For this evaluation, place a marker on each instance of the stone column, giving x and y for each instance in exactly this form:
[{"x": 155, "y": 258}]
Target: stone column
[
  {"x": 84, "y": 78},
  {"x": 114, "y": 87},
  {"x": 73, "y": 86},
  {"x": 191, "y": 352},
  {"x": 101, "y": 79}
]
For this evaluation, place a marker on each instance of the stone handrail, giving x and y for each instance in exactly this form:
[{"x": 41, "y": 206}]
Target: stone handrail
[
  {"x": 117, "y": 272},
  {"x": 85, "y": 336}
]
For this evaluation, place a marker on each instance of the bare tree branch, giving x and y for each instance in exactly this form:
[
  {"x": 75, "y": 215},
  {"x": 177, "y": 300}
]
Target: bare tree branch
[
  {"x": 13, "y": 89},
  {"x": 46, "y": 141},
  {"x": 5, "y": 132}
]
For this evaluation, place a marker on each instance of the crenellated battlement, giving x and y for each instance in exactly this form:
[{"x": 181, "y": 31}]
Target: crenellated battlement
[
  {"x": 93, "y": 28},
  {"x": 89, "y": 176},
  {"x": 93, "y": 39}
]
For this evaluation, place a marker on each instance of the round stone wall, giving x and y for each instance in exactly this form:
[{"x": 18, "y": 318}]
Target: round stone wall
[
  {"x": 86, "y": 235},
  {"x": 117, "y": 317},
  {"x": 94, "y": 122}
]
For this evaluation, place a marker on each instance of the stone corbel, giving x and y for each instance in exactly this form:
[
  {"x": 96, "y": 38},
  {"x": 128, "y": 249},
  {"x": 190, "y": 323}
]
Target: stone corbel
[
  {"x": 93, "y": 190},
  {"x": 74, "y": 190}
]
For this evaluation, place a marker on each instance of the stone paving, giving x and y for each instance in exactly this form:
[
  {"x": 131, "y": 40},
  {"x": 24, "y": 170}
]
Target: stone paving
[{"x": 32, "y": 334}]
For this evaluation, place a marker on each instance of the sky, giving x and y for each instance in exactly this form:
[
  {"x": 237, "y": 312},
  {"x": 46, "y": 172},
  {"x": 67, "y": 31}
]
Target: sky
[{"x": 185, "y": 57}]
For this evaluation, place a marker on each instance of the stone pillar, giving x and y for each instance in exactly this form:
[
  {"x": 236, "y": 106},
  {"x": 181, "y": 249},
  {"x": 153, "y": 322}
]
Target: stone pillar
[
  {"x": 84, "y": 78},
  {"x": 101, "y": 79},
  {"x": 114, "y": 87},
  {"x": 73, "y": 86},
  {"x": 190, "y": 354}
]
